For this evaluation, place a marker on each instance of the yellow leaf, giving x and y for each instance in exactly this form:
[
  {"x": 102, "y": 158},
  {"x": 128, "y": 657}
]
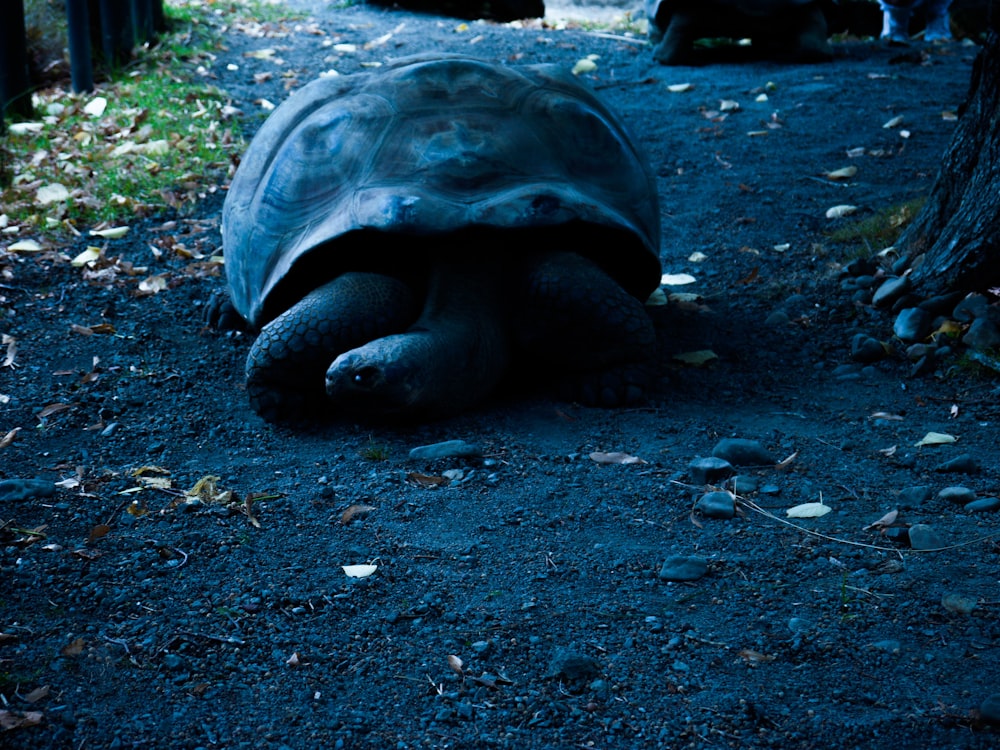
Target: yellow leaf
[
  {"x": 359, "y": 571},
  {"x": 935, "y": 438},
  {"x": 462, "y": 27},
  {"x": 52, "y": 193},
  {"x": 25, "y": 246},
  {"x": 87, "y": 256},
  {"x": 111, "y": 233},
  {"x": 808, "y": 510},
  {"x": 153, "y": 284},
  {"x": 586, "y": 65}
]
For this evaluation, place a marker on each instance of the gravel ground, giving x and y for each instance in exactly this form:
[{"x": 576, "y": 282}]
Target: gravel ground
[{"x": 532, "y": 595}]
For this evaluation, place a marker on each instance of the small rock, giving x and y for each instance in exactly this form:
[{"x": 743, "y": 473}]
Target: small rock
[
  {"x": 964, "y": 464},
  {"x": 26, "y": 489},
  {"x": 710, "y": 470},
  {"x": 959, "y": 604},
  {"x": 923, "y": 536},
  {"x": 683, "y": 568},
  {"x": 892, "y": 288},
  {"x": 570, "y": 665},
  {"x": 866, "y": 349},
  {"x": 983, "y": 505},
  {"x": 972, "y": 307},
  {"x": 719, "y": 504},
  {"x": 744, "y": 485},
  {"x": 913, "y": 497},
  {"x": 989, "y": 709},
  {"x": 942, "y": 304},
  {"x": 889, "y": 646},
  {"x": 770, "y": 489},
  {"x": 447, "y": 449},
  {"x": 957, "y": 495},
  {"x": 982, "y": 334},
  {"x": 743, "y": 452},
  {"x": 777, "y": 319},
  {"x": 912, "y": 324}
]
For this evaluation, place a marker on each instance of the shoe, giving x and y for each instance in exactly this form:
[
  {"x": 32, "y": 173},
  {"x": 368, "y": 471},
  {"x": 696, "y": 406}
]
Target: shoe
[{"x": 895, "y": 26}]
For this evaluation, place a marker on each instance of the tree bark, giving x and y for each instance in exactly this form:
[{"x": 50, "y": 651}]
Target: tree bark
[{"x": 954, "y": 242}]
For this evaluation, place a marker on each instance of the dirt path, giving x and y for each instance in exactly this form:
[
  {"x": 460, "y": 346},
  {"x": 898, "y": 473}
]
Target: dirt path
[{"x": 155, "y": 621}]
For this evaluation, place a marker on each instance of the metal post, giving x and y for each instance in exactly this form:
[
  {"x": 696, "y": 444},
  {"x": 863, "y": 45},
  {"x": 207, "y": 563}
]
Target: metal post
[
  {"x": 142, "y": 21},
  {"x": 81, "y": 69},
  {"x": 116, "y": 32}
]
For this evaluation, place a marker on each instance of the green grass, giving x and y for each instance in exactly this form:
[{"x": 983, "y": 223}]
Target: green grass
[
  {"x": 164, "y": 139},
  {"x": 375, "y": 451},
  {"x": 879, "y": 230}
]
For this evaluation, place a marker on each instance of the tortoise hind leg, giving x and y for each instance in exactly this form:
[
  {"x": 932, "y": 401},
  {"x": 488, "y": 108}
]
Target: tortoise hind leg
[
  {"x": 576, "y": 323},
  {"x": 286, "y": 366}
]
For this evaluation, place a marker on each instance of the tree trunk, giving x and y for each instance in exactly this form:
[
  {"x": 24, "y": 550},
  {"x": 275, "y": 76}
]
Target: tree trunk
[{"x": 954, "y": 243}]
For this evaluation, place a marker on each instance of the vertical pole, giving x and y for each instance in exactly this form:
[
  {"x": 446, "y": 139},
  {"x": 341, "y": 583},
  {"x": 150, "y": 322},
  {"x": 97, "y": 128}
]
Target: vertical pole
[
  {"x": 142, "y": 21},
  {"x": 116, "y": 31},
  {"x": 159, "y": 20},
  {"x": 81, "y": 69},
  {"x": 14, "y": 89}
]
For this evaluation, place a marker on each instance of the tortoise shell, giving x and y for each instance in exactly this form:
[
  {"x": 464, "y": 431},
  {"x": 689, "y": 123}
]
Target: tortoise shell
[{"x": 429, "y": 145}]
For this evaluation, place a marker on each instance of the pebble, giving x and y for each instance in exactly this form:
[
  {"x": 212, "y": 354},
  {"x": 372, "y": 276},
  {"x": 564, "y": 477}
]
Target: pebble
[
  {"x": 890, "y": 646},
  {"x": 447, "y": 449},
  {"x": 913, "y": 497},
  {"x": 866, "y": 349},
  {"x": 984, "y": 505},
  {"x": 989, "y": 709},
  {"x": 972, "y": 307},
  {"x": 683, "y": 568},
  {"x": 743, "y": 452},
  {"x": 744, "y": 485},
  {"x": 710, "y": 470},
  {"x": 912, "y": 324},
  {"x": 719, "y": 504},
  {"x": 982, "y": 334},
  {"x": 923, "y": 536},
  {"x": 571, "y": 665},
  {"x": 964, "y": 464},
  {"x": 959, "y": 604},
  {"x": 26, "y": 489},
  {"x": 892, "y": 288},
  {"x": 957, "y": 495}
]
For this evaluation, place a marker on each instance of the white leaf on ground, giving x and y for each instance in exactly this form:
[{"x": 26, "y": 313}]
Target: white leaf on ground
[
  {"x": 935, "y": 438},
  {"x": 843, "y": 173},
  {"x": 679, "y": 88},
  {"x": 837, "y": 212},
  {"x": 96, "y": 106},
  {"x": 51, "y": 193},
  {"x": 111, "y": 233},
  {"x": 359, "y": 571},
  {"x": 615, "y": 458},
  {"x": 895, "y": 122},
  {"x": 25, "y": 246},
  {"x": 676, "y": 279},
  {"x": 808, "y": 510}
]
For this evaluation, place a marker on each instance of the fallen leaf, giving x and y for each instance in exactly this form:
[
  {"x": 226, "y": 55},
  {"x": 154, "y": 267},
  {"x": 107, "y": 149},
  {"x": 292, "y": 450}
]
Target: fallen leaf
[
  {"x": 355, "y": 511},
  {"x": 887, "y": 520},
  {"x": 808, "y": 510},
  {"x": 24, "y": 128},
  {"x": 37, "y": 694},
  {"x": 74, "y": 648},
  {"x": 952, "y": 414},
  {"x": 677, "y": 279},
  {"x": 657, "y": 299},
  {"x": 895, "y": 122},
  {"x": 696, "y": 358},
  {"x": 51, "y": 409},
  {"x": 615, "y": 458},
  {"x": 25, "y": 246},
  {"x": 51, "y": 193},
  {"x": 782, "y": 465},
  {"x": 359, "y": 571},
  {"x": 753, "y": 658},
  {"x": 9, "y": 438},
  {"x": 294, "y": 660},
  {"x": 586, "y": 65},
  {"x": 679, "y": 88},
  {"x": 153, "y": 284},
  {"x": 949, "y": 116},
  {"x": 11, "y": 354},
  {"x": 935, "y": 438},
  {"x": 111, "y": 233},
  {"x": 891, "y": 451},
  {"x": 96, "y": 106},
  {"x": 425, "y": 480},
  {"x": 837, "y": 212},
  {"x": 844, "y": 173},
  {"x": 455, "y": 663},
  {"x": 345, "y": 48},
  {"x": 884, "y": 415},
  {"x": 87, "y": 256},
  {"x": 98, "y": 532},
  {"x": 697, "y": 257},
  {"x": 729, "y": 105},
  {"x": 17, "y": 720}
]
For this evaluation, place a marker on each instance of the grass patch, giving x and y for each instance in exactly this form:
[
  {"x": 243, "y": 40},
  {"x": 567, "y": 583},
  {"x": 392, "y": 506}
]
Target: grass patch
[
  {"x": 879, "y": 230},
  {"x": 375, "y": 451},
  {"x": 163, "y": 138}
]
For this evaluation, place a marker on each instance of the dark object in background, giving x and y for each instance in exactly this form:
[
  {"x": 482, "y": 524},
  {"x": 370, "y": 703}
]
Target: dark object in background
[
  {"x": 498, "y": 10},
  {"x": 15, "y": 94},
  {"x": 783, "y": 30}
]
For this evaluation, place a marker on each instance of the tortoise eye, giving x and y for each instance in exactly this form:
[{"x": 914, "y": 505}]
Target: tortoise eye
[{"x": 365, "y": 377}]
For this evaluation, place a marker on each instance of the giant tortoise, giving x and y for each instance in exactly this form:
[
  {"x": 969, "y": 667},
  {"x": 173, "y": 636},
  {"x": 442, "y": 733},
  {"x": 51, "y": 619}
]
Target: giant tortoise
[{"x": 402, "y": 238}]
